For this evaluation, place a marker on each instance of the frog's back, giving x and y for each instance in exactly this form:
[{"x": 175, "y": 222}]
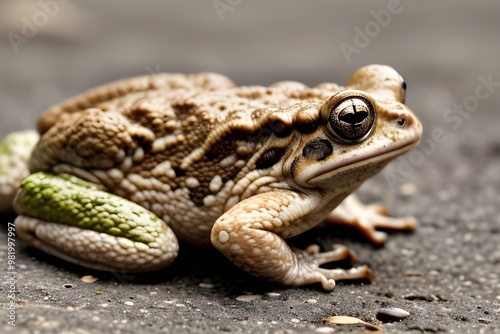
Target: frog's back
[{"x": 124, "y": 89}]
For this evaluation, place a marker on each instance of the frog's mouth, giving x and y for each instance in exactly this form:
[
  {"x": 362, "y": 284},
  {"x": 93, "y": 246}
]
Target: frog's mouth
[{"x": 381, "y": 158}]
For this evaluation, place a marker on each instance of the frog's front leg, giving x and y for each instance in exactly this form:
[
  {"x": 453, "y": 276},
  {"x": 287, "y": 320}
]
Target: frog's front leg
[
  {"x": 76, "y": 221},
  {"x": 251, "y": 235},
  {"x": 369, "y": 218}
]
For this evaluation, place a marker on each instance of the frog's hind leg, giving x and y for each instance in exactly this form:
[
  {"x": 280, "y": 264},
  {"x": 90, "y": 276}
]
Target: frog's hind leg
[
  {"x": 96, "y": 250},
  {"x": 368, "y": 218},
  {"x": 77, "y": 222}
]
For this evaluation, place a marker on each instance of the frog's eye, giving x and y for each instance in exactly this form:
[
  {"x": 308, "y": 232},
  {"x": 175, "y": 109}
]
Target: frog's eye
[{"x": 352, "y": 118}]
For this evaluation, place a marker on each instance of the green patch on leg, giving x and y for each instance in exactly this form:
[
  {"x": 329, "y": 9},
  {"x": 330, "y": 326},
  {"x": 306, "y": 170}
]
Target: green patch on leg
[{"x": 78, "y": 203}]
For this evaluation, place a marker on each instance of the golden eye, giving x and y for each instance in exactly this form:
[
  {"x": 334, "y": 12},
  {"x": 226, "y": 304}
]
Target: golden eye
[{"x": 352, "y": 118}]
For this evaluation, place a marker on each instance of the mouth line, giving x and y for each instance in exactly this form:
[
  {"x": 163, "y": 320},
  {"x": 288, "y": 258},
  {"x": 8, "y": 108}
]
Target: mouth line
[{"x": 393, "y": 151}]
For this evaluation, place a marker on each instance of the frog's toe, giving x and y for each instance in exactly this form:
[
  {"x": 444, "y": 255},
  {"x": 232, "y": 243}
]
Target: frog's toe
[
  {"x": 372, "y": 221},
  {"x": 357, "y": 273},
  {"x": 340, "y": 253},
  {"x": 408, "y": 223},
  {"x": 309, "y": 271},
  {"x": 97, "y": 250},
  {"x": 368, "y": 218}
]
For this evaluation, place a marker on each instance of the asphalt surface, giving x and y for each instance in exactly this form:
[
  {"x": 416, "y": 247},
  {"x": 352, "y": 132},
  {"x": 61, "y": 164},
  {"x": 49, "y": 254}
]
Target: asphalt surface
[{"x": 446, "y": 274}]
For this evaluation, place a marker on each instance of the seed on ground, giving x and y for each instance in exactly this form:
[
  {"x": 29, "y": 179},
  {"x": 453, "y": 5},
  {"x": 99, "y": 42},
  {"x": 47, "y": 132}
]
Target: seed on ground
[{"x": 392, "y": 314}]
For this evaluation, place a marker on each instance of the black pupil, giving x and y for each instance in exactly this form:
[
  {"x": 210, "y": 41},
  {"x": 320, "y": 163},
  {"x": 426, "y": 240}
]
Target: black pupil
[{"x": 354, "y": 117}]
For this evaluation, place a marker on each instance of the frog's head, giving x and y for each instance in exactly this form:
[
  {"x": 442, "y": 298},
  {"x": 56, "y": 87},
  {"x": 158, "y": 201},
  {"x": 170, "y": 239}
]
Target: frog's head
[{"x": 357, "y": 132}]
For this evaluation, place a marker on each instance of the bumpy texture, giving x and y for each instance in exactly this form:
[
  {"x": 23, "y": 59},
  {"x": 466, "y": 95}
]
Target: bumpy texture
[
  {"x": 15, "y": 151},
  {"x": 81, "y": 204}
]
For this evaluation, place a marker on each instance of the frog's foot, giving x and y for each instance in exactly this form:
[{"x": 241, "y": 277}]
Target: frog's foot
[
  {"x": 15, "y": 150},
  {"x": 77, "y": 222},
  {"x": 308, "y": 268},
  {"x": 369, "y": 218},
  {"x": 251, "y": 235}
]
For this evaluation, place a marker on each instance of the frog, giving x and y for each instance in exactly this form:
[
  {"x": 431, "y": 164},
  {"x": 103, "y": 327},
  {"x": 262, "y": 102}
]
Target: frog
[{"x": 122, "y": 172}]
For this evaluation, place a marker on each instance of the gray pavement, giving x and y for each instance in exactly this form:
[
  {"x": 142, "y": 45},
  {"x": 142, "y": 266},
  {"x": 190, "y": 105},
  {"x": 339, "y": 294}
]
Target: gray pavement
[{"x": 446, "y": 274}]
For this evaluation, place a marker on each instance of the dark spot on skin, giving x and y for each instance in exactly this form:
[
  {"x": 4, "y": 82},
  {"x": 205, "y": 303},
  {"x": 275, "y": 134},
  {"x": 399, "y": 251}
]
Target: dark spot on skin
[
  {"x": 318, "y": 149},
  {"x": 230, "y": 174},
  {"x": 142, "y": 141},
  {"x": 270, "y": 157},
  {"x": 179, "y": 172},
  {"x": 279, "y": 128},
  {"x": 293, "y": 167},
  {"x": 307, "y": 127},
  {"x": 198, "y": 195}
]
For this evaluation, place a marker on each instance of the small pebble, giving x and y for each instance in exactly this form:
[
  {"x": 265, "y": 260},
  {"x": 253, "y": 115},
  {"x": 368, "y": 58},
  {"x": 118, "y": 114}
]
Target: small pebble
[
  {"x": 324, "y": 330},
  {"x": 310, "y": 301},
  {"x": 343, "y": 320},
  {"x": 88, "y": 279},
  {"x": 68, "y": 286},
  {"x": 392, "y": 314},
  {"x": 129, "y": 303},
  {"x": 273, "y": 294},
  {"x": 248, "y": 298},
  {"x": 206, "y": 285},
  {"x": 349, "y": 321},
  {"x": 295, "y": 321}
]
